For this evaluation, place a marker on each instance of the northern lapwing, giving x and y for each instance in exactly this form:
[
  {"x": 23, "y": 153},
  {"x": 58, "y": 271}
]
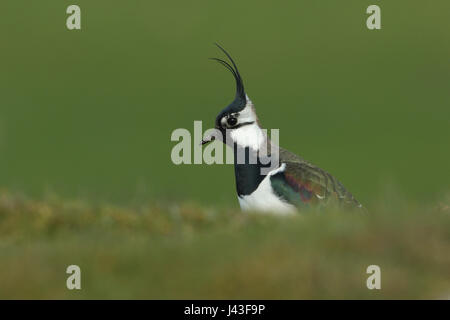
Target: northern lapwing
[{"x": 293, "y": 184}]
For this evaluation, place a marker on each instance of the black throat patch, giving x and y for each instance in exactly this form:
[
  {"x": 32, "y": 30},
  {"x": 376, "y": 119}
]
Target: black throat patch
[{"x": 247, "y": 170}]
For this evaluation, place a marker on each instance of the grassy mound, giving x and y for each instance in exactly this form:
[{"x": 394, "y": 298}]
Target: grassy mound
[{"x": 158, "y": 251}]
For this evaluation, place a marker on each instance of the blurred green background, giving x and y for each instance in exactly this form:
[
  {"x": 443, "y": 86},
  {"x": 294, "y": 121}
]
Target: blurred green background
[{"x": 89, "y": 113}]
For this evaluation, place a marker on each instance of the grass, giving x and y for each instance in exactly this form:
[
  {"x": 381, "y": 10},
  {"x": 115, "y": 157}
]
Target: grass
[{"x": 160, "y": 251}]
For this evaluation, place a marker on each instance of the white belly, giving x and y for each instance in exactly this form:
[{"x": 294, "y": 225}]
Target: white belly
[{"x": 265, "y": 199}]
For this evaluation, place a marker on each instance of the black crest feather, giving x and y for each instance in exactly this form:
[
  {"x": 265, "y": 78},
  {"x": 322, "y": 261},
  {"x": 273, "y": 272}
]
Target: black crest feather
[{"x": 240, "y": 92}]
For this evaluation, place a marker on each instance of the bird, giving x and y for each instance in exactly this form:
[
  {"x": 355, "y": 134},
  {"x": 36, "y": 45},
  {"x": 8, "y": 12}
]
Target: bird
[{"x": 292, "y": 184}]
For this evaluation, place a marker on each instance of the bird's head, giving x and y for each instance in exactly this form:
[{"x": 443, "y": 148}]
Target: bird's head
[{"x": 240, "y": 114}]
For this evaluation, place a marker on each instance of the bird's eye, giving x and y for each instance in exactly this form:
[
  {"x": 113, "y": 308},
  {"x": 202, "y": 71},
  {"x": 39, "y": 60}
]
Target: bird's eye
[{"x": 231, "y": 121}]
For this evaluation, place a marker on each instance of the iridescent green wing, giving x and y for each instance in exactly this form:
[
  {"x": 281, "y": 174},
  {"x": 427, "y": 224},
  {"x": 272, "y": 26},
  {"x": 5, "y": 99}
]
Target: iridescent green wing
[{"x": 303, "y": 184}]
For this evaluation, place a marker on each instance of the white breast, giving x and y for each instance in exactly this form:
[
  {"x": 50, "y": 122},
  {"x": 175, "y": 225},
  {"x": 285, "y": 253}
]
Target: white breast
[{"x": 265, "y": 199}]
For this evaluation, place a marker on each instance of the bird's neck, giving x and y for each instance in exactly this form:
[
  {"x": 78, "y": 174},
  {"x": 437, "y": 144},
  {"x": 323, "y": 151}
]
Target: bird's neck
[
  {"x": 247, "y": 170},
  {"x": 249, "y": 136},
  {"x": 249, "y": 145}
]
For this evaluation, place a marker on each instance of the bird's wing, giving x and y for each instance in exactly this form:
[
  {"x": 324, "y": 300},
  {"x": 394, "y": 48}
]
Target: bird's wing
[{"x": 302, "y": 183}]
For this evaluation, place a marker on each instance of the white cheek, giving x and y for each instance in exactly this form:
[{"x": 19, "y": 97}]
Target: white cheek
[
  {"x": 248, "y": 113},
  {"x": 248, "y": 136}
]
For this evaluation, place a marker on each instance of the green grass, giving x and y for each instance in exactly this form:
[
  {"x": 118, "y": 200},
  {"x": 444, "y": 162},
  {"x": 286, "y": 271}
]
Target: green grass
[{"x": 159, "y": 251}]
